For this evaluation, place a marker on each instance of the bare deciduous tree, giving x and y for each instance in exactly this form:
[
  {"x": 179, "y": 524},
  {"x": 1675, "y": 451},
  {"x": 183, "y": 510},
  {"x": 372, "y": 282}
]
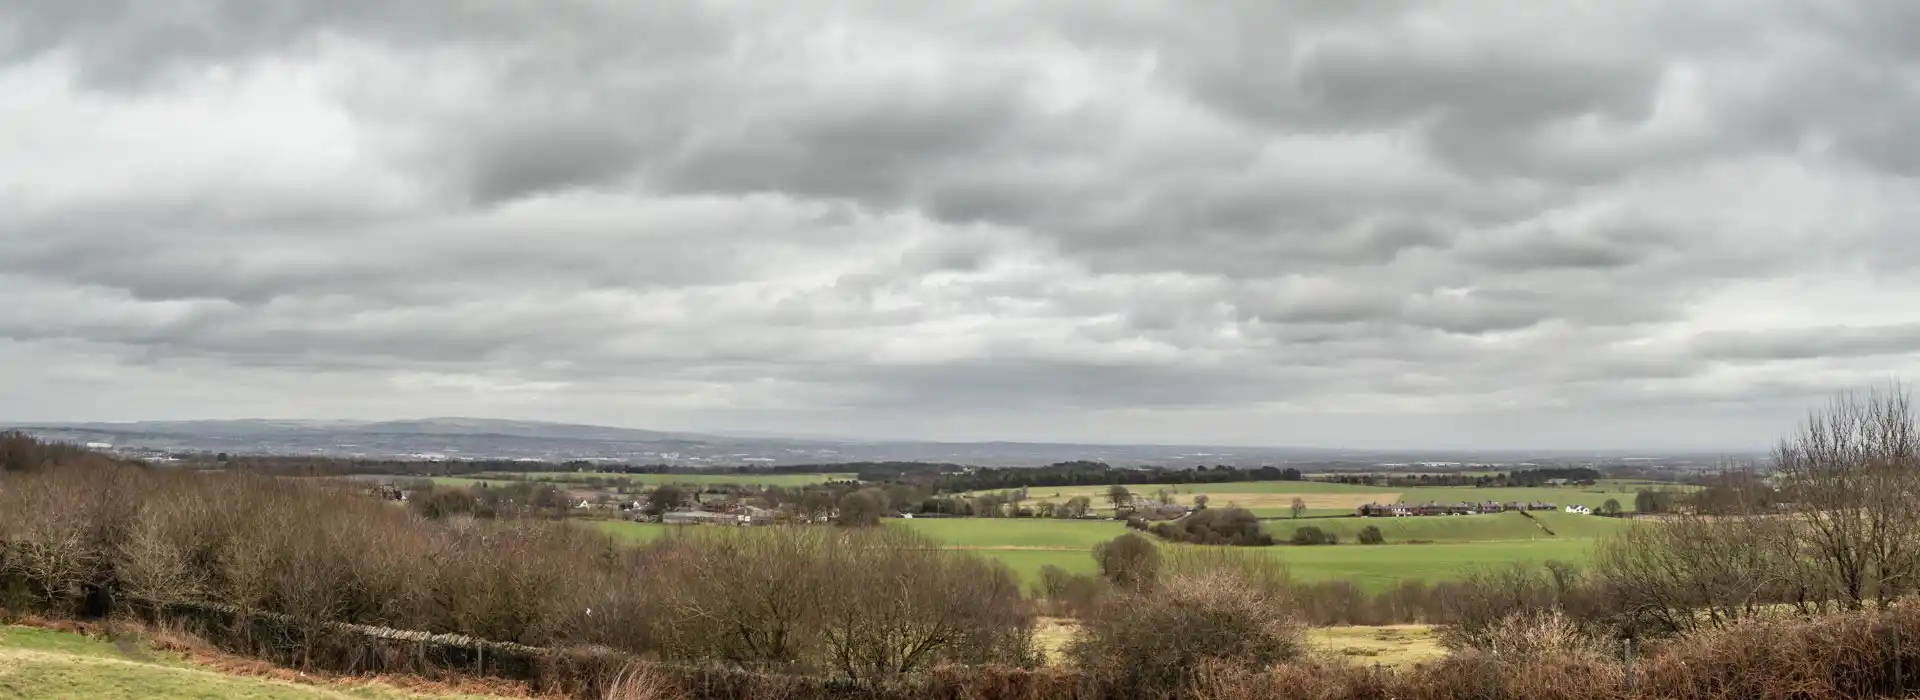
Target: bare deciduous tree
[{"x": 1852, "y": 477}]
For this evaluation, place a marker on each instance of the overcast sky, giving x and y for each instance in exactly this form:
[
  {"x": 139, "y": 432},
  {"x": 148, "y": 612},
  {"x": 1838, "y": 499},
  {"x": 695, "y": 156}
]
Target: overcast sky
[{"x": 1618, "y": 223}]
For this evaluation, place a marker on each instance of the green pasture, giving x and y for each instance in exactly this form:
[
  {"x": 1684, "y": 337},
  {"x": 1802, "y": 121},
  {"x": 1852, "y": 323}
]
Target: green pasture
[
  {"x": 679, "y": 479},
  {"x": 1380, "y": 567},
  {"x": 1451, "y": 545},
  {"x": 1274, "y": 498},
  {"x": 1015, "y": 532},
  {"x": 1372, "y": 568},
  {"x": 1098, "y": 493},
  {"x": 1493, "y": 527}
]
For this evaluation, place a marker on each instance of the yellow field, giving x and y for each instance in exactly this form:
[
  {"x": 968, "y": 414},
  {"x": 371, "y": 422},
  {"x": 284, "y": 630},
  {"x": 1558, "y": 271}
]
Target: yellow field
[
  {"x": 1391, "y": 646},
  {"x": 1314, "y": 501}
]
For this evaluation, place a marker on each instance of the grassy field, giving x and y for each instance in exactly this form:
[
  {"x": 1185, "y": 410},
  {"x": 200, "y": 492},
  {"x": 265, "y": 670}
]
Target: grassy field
[
  {"x": 1391, "y": 646},
  {"x": 1275, "y": 498},
  {"x": 1269, "y": 497},
  {"x": 1372, "y": 568},
  {"x": 685, "y": 479},
  {"x": 1495, "y": 527},
  {"x": 1379, "y": 567},
  {"x": 1459, "y": 543},
  {"x": 1079, "y": 535},
  {"x": 42, "y": 665}
]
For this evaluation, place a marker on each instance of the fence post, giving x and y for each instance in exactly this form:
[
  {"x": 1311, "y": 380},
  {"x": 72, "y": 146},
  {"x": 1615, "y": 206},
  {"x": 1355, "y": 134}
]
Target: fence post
[{"x": 1626, "y": 658}]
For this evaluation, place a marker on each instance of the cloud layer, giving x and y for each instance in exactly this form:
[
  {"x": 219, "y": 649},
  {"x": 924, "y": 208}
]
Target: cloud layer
[{"x": 1364, "y": 223}]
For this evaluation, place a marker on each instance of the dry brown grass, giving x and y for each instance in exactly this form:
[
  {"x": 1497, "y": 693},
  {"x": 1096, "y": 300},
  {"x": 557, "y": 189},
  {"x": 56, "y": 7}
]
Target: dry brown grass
[
  {"x": 1390, "y": 646},
  {"x": 643, "y": 682}
]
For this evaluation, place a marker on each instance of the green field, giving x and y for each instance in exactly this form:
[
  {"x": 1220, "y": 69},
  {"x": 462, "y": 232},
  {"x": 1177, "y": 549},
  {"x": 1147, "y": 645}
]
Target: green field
[
  {"x": 1372, "y": 568},
  {"x": 1380, "y": 567},
  {"x": 1454, "y": 544},
  {"x": 1079, "y": 535},
  {"x": 1275, "y": 498},
  {"x": 42, "y": 665},
  {"x": 957, "y": 533},
  {"x": 684, "y": 479},
  {"x": 1494, "y": 527}
]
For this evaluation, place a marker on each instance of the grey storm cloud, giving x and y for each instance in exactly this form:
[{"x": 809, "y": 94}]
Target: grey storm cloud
[{"x": 1372, "y": 222}]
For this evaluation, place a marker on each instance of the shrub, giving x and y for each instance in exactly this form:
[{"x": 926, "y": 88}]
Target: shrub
[
  {"x": 1847, "y": 655},
  {"x": 1128, "y": 561},
  {"x": 1310, "y": 535},
  {"x": 1069, "y": 594},
  {"x": 1371, "y": 535},
  {"x": 1147, "y": 643},
  {"x": 1476, "y": 674},
  {"x": 1489, "y": 608},
  {"x": 1533, "y": 635}
]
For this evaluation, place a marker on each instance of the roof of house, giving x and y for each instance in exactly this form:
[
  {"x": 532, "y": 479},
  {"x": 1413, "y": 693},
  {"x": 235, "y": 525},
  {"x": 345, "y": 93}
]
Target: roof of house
[{"x": 695, "y": 515}]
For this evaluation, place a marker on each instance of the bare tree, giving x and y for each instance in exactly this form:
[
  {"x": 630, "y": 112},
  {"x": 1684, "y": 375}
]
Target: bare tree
[
  {"x": 1119, "y": 496},
  {"x": 1299, "y": 506},
  {"x": 1852, "y": 475},
  {"x": 742, "y": 598},
  {"x": 1694, "y": 571},
  {"x": 893, "y": 604}
]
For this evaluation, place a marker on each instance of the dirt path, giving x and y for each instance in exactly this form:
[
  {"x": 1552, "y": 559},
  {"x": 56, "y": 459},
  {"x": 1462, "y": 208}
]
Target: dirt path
[{"x": 1536, "y": 521}]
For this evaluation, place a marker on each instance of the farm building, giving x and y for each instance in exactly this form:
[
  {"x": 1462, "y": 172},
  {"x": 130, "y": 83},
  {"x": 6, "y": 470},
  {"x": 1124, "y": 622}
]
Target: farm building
[
  {"x": 700, "y": 517},
  {"x": 1403, "y": 510}
]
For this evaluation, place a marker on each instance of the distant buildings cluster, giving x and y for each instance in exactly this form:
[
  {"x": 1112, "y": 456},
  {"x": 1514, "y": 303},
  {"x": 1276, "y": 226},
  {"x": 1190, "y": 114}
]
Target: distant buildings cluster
[{"x": 1404, "y": 510}]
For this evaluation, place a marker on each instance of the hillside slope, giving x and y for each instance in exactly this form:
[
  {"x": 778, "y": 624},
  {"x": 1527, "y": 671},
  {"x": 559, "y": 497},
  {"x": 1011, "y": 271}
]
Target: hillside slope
[
  {"x": 38, "y": 664},
  {"x": 1497, "y": 527}
]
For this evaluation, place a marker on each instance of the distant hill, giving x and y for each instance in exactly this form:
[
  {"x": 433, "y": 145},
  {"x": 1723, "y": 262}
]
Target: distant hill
[{"x": 478, "y": 438}]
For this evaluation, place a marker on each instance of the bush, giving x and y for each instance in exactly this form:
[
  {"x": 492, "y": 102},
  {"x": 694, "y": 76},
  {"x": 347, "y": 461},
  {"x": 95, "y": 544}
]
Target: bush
[
  {"x": 1476, "y": 674},
  {"x": 1128, "y": 561},
  {"x": 1371, "y": 535},
  {"x": 1148, "y": 643},
  {"x": 1311, "y": 535},
  {"x": 1487, "y": 609},
  {"x": 1848, "y": 655},
  {"x": 1069, "y": 594},
  {"x": 1535, "y": 634}
]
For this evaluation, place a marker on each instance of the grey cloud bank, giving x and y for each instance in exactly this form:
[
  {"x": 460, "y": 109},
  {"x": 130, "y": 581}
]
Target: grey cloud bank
[{"x": 1362, "y": 224}]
